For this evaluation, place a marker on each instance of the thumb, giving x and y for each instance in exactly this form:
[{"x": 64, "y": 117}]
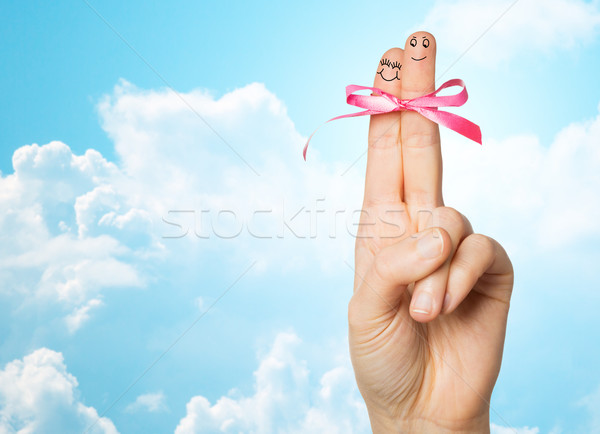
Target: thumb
[{"x": 381, "y": 289}]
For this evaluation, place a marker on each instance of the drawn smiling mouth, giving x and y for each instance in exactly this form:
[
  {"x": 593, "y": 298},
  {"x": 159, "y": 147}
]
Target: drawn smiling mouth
[
  {"x": 418, "y": 60},
  {"x": 391, "y": 79}
]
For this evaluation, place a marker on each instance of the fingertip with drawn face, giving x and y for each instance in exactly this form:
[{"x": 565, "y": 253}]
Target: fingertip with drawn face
[
  {"x": 419, "y": 59},
  {"x": 389, "y": 71}
]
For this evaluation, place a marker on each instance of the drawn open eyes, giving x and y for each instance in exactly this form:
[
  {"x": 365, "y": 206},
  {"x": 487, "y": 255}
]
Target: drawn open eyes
[
  {"x": 413, "y": 42},
  {"x": 387, "y": 62}
]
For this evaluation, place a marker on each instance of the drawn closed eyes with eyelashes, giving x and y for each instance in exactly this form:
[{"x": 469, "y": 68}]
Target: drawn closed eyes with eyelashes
[{"x": 386, "y": 64}]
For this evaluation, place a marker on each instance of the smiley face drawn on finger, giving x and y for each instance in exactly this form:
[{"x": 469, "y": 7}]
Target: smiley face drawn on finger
[
  {"x": 389, "y": 70},
  {"x": 418, "y": 46}
]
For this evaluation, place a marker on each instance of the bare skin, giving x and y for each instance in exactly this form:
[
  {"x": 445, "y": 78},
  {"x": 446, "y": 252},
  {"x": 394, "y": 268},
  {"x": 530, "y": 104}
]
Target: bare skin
[{"x": 427, "y": 319}]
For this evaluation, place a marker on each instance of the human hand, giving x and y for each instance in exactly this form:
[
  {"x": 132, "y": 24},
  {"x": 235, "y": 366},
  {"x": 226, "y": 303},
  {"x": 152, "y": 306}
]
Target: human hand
[{"x": 427, "y": 319}]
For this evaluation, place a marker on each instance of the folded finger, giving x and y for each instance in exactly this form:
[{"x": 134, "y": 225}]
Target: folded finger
[
  {"x": 476, "y": 256},
  {"x": 429, "y": 293}
]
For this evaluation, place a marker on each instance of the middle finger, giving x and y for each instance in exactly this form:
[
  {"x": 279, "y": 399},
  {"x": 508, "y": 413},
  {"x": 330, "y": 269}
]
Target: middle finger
[{"x": 421, "y": 153}]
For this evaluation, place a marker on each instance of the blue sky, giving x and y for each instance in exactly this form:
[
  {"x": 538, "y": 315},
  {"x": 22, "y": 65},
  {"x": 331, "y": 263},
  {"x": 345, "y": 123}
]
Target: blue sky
[{"x": 96, "y": 153}]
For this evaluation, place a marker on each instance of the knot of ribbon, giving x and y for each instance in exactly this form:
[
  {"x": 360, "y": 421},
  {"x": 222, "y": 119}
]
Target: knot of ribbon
[{"x": 380, "y": 102}]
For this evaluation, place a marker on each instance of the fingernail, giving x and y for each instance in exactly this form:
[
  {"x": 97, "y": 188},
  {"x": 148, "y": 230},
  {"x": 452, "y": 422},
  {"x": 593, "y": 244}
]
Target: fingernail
[
  {"x": 423, "y": 303},
  {"x": 431, "y": 245}
]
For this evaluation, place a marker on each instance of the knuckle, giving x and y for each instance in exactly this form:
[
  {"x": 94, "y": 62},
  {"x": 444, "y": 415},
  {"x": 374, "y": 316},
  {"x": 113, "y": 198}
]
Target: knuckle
[
  {"x": 451, "y": 215},
  {"x": 452, "y": 220},
  {"x": 483, "y": 242},
  {"x": 420, "y": 139},
  {"x": 388, "y": 139}
]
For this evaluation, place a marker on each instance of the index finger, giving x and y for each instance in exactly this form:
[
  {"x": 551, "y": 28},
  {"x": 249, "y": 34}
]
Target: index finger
[
  {"x": 421, "y": 151},
  {"x": 384, "y": 162}
]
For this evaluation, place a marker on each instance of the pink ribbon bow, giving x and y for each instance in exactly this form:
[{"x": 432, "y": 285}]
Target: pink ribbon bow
[{"x": 427, "y": 105}]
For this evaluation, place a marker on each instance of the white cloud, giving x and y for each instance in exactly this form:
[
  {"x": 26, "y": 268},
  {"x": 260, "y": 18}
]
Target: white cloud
[
  {"x": 80, "y": 315},
  {"x": 283, "y": 400},
  {"x": 49, "y": 254},
  {"x": 150, "y": 402},
  {"x": 529, "y": 26},
  {"x": 37, "y": 394}
]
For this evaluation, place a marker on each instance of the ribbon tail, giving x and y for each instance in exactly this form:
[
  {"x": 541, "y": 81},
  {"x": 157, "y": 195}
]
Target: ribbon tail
[
  {"x": 349, "y": 115},
  {"x": 454, "y": 122}
]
